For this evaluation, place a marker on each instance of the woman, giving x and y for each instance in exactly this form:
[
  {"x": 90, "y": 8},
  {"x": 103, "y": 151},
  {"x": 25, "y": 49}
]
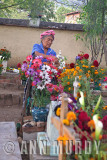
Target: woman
[{"x": 44, "y": 49}]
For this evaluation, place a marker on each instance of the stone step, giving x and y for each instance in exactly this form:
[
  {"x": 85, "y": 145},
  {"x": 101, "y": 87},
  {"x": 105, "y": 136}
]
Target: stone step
[
  {"x": 9, "y": 97},
  {"x": 11, "y": 86}
]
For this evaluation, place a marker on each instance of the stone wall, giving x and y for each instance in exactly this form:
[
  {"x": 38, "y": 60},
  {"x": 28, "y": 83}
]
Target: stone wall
[{"x": 18, "y": 36}]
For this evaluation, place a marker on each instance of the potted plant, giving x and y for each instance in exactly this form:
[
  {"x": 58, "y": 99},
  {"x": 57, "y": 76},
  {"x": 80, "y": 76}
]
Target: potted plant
[
  {"x": 6, "y": 55},
  {"x": 1, "y": 66},
  {"x": 22, "y": 72}
]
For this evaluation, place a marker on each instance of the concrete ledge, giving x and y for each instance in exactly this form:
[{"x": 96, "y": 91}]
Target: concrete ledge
[{"x": 36, "y": 23}]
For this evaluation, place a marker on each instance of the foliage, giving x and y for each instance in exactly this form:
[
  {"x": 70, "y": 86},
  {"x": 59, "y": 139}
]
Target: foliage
[
  {"x": 61, "y": 12},
  {"x": 35, "y": 8},
  {"x": 6, "y": 54},
  {"x": 94, "y": 19}
]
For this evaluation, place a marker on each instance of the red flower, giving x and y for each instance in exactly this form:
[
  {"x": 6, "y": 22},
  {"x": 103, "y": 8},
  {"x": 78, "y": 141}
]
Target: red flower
[
  {"x": 83, "y": 139},
  {"x": 24, "y": 62},
  {"x": 104, "y": 121},
  {"x": 83, "y": 116},
  {"x": 106, "y": 86},
  {"x": 95, "y": 63},
  {"x": 19, "y": 65},
  {"x": 80, "y": 125},
  {"x": 86, "y": 56},
  {"x": 72, "y": 65}
]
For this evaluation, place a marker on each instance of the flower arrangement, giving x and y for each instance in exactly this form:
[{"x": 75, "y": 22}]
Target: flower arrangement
[
  {"x": 6, "y": 54},
  {"x": 89, "y": 128},
  {"x": 44, "y": 80}
]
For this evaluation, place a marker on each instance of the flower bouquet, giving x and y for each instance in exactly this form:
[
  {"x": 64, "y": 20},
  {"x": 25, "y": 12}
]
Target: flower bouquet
[
  {"x": 44, "y": 83},
  {"x": 6, "y": 54}
]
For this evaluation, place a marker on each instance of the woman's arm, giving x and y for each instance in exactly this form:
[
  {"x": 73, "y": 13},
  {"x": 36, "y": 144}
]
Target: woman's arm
[{"x": 45, "y": 56}]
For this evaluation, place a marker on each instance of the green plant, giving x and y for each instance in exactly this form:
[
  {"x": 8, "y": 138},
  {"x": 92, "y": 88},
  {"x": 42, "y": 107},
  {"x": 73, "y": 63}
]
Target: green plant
[
  {"x": 22, "y": 75},
  {"x": 6, "y": 54}
]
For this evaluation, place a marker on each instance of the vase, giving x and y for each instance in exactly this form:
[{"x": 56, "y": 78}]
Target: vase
[
  {"x": 40, "y": 114},
  {"x": 4, "y": 63},
  {"x": 104, "y": 89},
  {"x": 23, "y": 82}
]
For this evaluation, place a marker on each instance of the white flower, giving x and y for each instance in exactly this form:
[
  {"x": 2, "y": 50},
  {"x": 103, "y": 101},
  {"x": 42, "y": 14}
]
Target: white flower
[
  {"x": 47, "y": 81},
  {"x": 81, "y": 100},
  {"x": 45, "y": 68},
  {"x": 44, "y": 75},
  {"x": 98, "y": 126},
  {"x": 41, "y": 86}
]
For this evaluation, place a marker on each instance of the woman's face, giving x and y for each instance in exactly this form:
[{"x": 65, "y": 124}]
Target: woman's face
[{"x": 47, "y": 41}]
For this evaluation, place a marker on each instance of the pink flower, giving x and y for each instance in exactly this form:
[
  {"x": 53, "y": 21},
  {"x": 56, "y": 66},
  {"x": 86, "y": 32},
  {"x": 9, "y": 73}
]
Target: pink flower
[
  {"x": 37, "y": 62},
  {"x": 28, "y": 58},
  {"x": 106, "y": 86},
  {"x": 105, "y": 79}
]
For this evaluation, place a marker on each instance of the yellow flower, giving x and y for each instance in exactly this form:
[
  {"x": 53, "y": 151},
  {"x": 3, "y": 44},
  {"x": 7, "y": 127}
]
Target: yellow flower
[
  {"x": 99, "y": 84},
  {"x": 71, "y": 116},
  {"x": 79, "y": 84},
  {"x": 89, "y": 71},
  {"x": 66, "y": 122},
  {"x": 86, "y": 66},
  {"x": 58, "y": 112},
  {"x": 83, "y": 65}
]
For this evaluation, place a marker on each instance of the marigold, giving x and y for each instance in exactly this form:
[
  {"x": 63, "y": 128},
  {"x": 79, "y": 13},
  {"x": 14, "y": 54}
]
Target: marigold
[
  {"x": 92, "y": 66},
  {"x": 91, "y": 124},
  {"x": 1, "y": 65},
  {"x": 63, "y": 138},
  {"x": 105, "y": 108},
  {"x": 71, "y": 116},
  {"x": 99, "y": 84},
  {"x": 77, "y": 68},
  {"x": 58, "y": 111},
  {"x": 69, "y": 88},
  {"x": 79, "y": 84},
  {"x": 68, "y": 83},
  {"x": 66, "y": 122}
]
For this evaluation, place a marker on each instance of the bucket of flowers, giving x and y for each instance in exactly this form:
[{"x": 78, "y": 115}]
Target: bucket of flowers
[
  {"x": 44, "y": 86},
  {"x": 6, "y": 55}
]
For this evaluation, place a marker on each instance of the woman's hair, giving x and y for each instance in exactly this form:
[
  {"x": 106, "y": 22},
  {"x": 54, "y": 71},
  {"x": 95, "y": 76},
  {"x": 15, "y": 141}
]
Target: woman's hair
[{"x": 47, "y": 36}]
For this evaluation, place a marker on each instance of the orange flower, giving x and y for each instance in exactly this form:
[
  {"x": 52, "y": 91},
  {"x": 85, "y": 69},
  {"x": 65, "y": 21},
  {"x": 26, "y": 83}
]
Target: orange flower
[
  {"x": 93, "y": 136},
  {"x": 58, "y": 112},
  {"x": 92, "y": 80},
  {"x": 99, "y": 84},
  {"x": 63, "y": 138},
  {"x": 1, "y": 65},
  {"x": 79, "y": 84},
  {"x": 91, "y": 124},
  {"x": 66, "y": 122},
  {"x": 78, "y": 94},
  {"x": 71, "y": 116},
  {"x": 105, "y": 108},
  {"x": 69, "y": 88},
  {"x": 68, "y": 83}
]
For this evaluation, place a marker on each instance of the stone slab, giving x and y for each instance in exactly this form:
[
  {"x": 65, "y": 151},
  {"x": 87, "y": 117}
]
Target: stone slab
[{"x": 9, "y": 146}]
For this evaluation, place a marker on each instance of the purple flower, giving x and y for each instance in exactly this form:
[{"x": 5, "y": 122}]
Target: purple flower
[
  {"x": 77, "y": 57},
  {"x": 30, "y": 71},
  {"x": 36, "y": 81},
  {"x": 24, "y": 67},
  {"x": 39, "y": 57}
]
